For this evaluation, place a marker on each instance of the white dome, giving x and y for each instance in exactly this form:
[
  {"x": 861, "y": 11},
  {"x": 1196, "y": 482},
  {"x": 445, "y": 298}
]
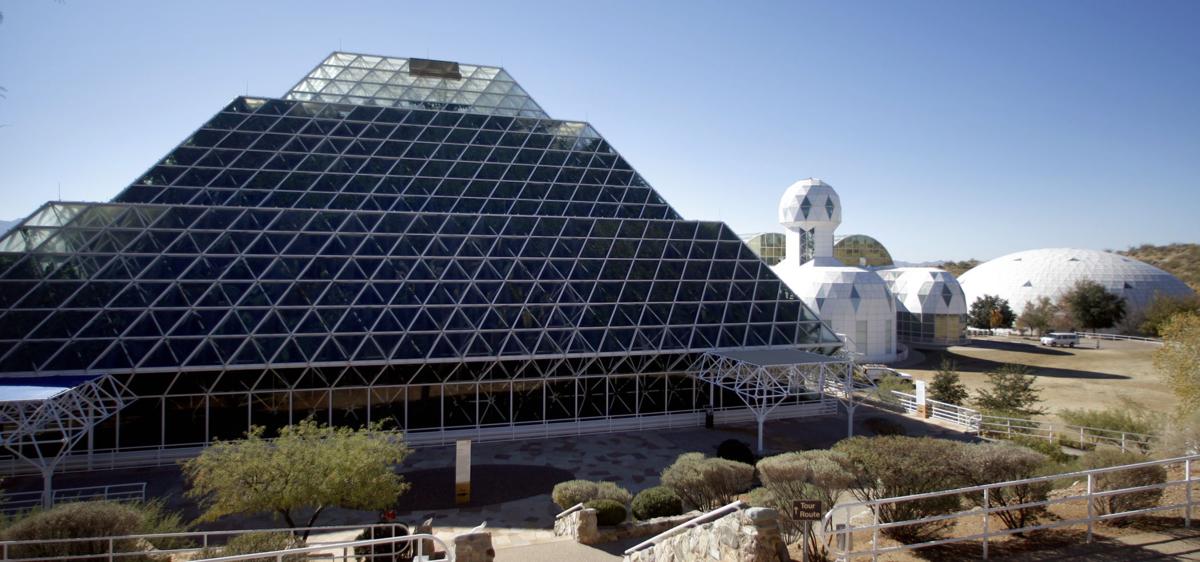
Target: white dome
[
  {"x": 925, "y": 290},
  {"x": 854, "y": 302},
  {"x": 1027, "y": 276},
  {"x": 810, "y": 202}
]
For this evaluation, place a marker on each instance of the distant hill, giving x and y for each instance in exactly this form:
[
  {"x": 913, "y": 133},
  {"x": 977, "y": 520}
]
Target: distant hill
[
  {"x": 5, "y": 225},
  {"x": 959, "y": 267},
  {"x": 1180, "y": 260}
]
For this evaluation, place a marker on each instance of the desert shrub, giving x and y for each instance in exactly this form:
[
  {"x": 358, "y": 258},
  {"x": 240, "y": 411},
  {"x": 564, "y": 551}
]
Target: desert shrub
[
  {"x": 571, "y": 492},
  {"x": 736, "y": 450},
  {"x": 659, "y": 501},
  {"x": 91, "y": 519},
  {"x": 789, "y": 528},
  {"x": 817, "y": 474},
  {"x": 707, "y": 483},
  {"x": 890, "y": 466},
  {"x": 888, "y": 383},
  {"x": 253, "y": 543},
  {"x": 1129, "y": 417},
  {"x": 884, "y": 426},
  {"x": 989, "y": 463},
  {"x": 608, "y": 512},
  {"x": 1129, "y": 478},
  {"x": 1010, "y": 391},
  {"x": 1053, "y": 450}
]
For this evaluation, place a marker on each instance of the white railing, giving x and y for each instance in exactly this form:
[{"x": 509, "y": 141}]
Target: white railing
[
  {"x": 1115, "y": 337},
  {"x": 842, "y": 528},
  {"x": 347, "y": 550},
  {"x": 690, "y": 523},
  {"x": 117, "y": 548},
  {"x": 20, "y": 502},
  {"x": 568, "y": 511},
  {"x": 112, "y": 459},
  {"x": 1001, "y": 427}
]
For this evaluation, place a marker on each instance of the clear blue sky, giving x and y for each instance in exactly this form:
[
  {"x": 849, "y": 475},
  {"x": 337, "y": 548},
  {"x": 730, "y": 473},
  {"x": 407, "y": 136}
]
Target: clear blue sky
[{"x": 952, "y": 129}]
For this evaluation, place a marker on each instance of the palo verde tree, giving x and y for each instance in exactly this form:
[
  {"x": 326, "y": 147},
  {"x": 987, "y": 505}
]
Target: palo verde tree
[
  {"x": 309, "y": 468},
  {"x": 1093, "y": 307},
  {"x": 990, "y": 311},
  {"x": 1178, "y": 360}
]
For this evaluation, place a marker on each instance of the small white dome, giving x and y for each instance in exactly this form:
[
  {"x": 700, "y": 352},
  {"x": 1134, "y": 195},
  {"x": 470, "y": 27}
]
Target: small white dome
[
  {"x": 808, "y": 203},
  {"x": 854, "y": 302},
  {"x": 1029, "y": 275},
  {"x": 925, "y": 290}
]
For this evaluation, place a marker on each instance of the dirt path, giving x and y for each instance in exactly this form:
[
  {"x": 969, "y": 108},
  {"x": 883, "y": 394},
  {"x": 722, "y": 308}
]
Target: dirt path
[{"x": 1083, "y": 377}]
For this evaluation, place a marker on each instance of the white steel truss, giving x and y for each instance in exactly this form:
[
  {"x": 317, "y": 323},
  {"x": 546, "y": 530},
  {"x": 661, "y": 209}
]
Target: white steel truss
[
  {"x": 764, "y": 379},
  {"x": 43, "y": 431}
]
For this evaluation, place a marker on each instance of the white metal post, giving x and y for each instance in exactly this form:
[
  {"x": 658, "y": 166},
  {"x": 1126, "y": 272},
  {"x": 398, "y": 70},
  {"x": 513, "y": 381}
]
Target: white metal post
[
  {"x": 1090, "y": 480},
  {"x": 986, "y": 504},
  {"x": 1187, "y": 482}
]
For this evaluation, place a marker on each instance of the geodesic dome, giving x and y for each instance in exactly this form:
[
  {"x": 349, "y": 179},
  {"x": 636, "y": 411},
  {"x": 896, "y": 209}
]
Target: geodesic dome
[
  {"x": 1029, "y": 275},
  {"x": 925, "y": 290},
  {"x": 810, "y": 201},
  {"x": 855, "y": 302},
  {"x": 861, "y": 250}
]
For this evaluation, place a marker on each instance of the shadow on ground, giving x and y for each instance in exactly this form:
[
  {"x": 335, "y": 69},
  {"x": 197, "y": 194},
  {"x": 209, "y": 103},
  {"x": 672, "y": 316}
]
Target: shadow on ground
[{"x": 964, "y": 363}]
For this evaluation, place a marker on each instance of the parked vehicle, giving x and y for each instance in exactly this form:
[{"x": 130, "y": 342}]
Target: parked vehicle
[{"x": 1056, "y": 339}]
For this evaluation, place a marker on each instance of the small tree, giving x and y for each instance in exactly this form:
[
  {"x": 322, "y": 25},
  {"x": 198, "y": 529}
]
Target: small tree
[
  {"x": 894, "y": 466},
  {"x": 990, "y": 311},
  {"x": 947, "y": 386},
  {"x": 1011, "y": 392},
  {"x": 1178, "y": 360},
  {"x": 308, "y": 468},
  {"x": 1038, "y": 316},
  {"x": 1093, "y": 307},
  {"x": 812, "y": 475},
  {"x": 707, "y": 483},
  {"x": 1163, "y": 308}
]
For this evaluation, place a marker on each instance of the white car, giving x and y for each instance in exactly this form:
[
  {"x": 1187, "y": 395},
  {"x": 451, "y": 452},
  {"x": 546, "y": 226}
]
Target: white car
[{"x": 1056, "y": 339}]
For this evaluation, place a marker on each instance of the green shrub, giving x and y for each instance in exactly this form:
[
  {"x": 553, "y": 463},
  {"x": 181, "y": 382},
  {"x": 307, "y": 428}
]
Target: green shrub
[
  {"x": 253, "y": 543},
  {"x": 884, "y": 426},
  {"x": 1129, "y": 478},
  {"x": 608, "y": 512},
  {"x": 567, "y": 494},
  {"x": 990, "y": 463},
  {"x": 707, "y": 483},
  {"x": 1129, "y": 417},
  {"x": 1053, "y": 450},
  {"x": 658, "y": 501},
  {"x": 90, "y": 519},
  {"x": 888, "y": 383},
  {"x": 736, "y": 450},
  {"x": 891, "y": 466}
]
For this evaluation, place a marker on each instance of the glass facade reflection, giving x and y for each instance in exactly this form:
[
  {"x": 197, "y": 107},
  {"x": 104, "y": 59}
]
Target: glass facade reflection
[
  {"x": 770, "y": 246},
  {"x": 393, "y": 239},
  {"x": 861, "y": 250}
]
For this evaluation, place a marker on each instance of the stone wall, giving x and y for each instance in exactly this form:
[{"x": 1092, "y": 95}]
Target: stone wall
[
  {"x": 474, "y": 547},
  {"x": 750, "y": 535},
  {"x": 581, "y": 525}
]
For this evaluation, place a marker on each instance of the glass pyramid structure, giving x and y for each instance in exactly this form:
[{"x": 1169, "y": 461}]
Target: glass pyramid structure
[{"x": 394, "y": 238}]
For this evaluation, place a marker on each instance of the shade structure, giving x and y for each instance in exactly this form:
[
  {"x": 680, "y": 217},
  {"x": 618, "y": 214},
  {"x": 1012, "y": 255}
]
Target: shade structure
[{"x": 395, "y": 239}]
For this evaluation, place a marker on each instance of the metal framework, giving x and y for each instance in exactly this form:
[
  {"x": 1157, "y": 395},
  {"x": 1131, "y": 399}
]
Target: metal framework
[
  {"x": 395, "y": 239},
  {"x": 42, "y": 425},
  {"x": 765, "y": 379}
]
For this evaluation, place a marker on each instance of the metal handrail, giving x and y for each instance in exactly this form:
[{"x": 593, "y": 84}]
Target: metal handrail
[
  {"x": 568, "y": 511},
  {"x": 346, "y": 547},
  {"x": 17, "y": 502},
  {"x": 1091, "y": 494},
  {"x": 202, "y": 537},
  {"x": 693, "y": 522}
]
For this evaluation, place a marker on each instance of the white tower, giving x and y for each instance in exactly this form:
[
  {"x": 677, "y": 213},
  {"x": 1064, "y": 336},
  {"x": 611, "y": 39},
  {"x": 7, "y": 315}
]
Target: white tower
[
  {"x": 810, "y": 210},
  {"x": 855, "y": 302}
]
